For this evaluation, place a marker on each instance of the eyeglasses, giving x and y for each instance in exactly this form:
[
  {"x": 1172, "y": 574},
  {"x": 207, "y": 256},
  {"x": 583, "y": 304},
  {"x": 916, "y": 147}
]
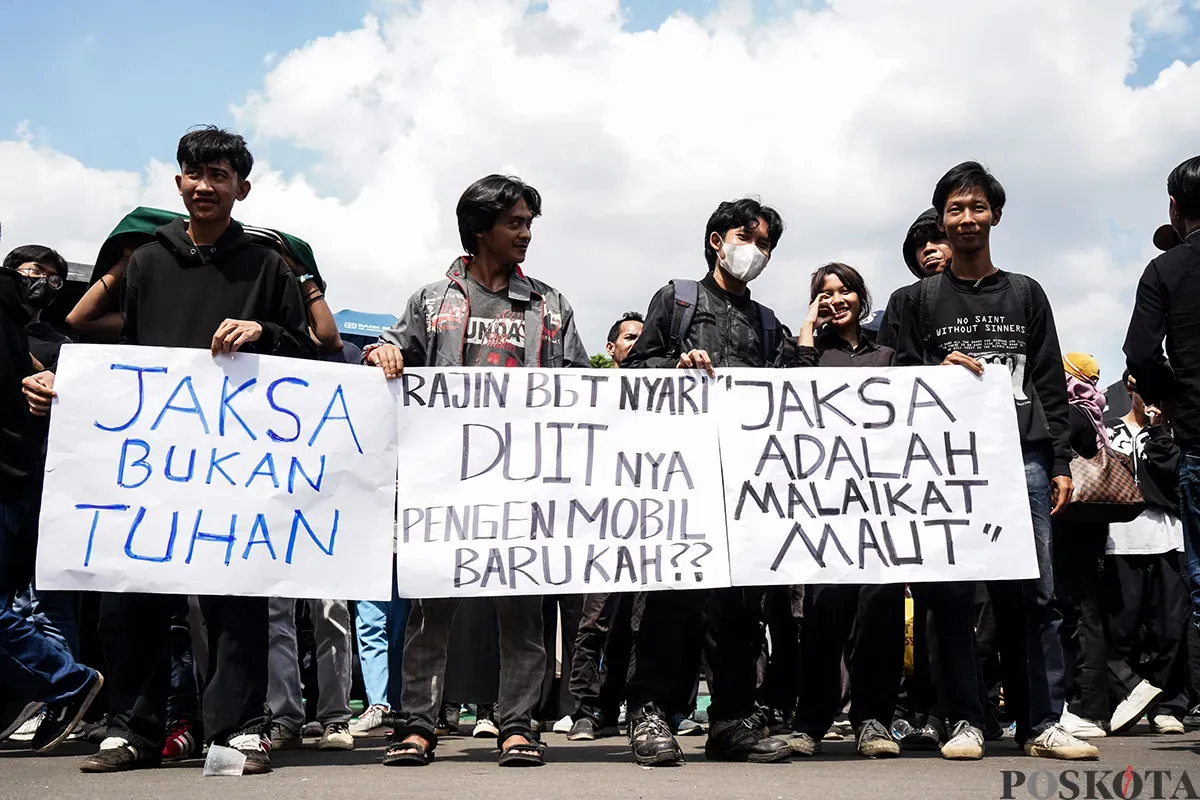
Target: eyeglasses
[{"x": 35, "y": 270}]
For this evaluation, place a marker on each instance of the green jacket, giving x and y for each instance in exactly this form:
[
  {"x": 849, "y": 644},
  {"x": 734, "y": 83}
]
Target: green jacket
[{"x": 138, "y": 226}]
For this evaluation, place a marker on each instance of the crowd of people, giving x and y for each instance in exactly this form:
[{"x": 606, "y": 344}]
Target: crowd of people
[{"x": 1104, "y": 636}]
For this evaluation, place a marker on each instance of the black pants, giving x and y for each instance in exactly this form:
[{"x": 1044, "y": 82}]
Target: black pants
[
  {"x": 556, "y": 700},
  {"x": 600, "y": 662},
  {"x": 1078, "y": 567},
  {"x": 784, "y": 609},
  {"x": 874, "y": 615},
  {"x": 473, "y": 657},
  {"x": 1148, "y": 614},
  {"x": 136, "y": 631},
  {"x": 664, "y": 641},
  {"x": 954, "y": 667}
]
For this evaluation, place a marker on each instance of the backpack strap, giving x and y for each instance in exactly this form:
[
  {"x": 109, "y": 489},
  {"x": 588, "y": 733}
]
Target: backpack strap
[
  {"x": 687, "y": 293},
  {"x": 769, "y": 325},
  {"x": 930, "y": 288},
  {"x": 1024, "y": 291}
]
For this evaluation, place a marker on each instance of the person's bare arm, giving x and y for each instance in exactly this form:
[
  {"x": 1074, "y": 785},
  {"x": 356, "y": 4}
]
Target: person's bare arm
[{"x": 96, "y": 314}]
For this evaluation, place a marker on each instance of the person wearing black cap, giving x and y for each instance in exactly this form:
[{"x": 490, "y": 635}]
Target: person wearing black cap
[{"x": 1168, "y": 307}]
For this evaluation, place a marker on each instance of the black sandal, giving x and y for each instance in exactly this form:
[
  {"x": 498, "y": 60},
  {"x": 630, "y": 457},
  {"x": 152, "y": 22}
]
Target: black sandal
[
  {"x": 407, "y": 754},
  {"x": 525, "y": 754}
]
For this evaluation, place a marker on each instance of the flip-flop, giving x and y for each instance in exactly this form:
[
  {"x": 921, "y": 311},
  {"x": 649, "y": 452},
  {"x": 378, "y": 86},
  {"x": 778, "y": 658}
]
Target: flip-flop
[
  {"x": 524, "y": 754},
  {"x": 407, "y": 754}
]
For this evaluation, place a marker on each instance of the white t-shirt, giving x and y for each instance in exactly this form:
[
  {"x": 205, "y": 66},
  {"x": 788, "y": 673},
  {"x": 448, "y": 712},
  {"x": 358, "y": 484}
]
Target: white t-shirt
[{"x": 1155, "y": 530}]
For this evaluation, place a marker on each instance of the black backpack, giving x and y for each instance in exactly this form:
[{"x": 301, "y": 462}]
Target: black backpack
[{"x": 687, "y": 293}]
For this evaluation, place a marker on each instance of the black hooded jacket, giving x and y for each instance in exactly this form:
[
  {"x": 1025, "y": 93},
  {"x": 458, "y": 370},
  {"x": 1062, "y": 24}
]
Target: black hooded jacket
[
  {"x": 922, "y": 227},
  {"x": 178, "y": 293},
  {"x": 20, "y": 447}
]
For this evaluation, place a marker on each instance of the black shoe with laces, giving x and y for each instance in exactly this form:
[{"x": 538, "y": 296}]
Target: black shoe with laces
[
  {"x": 256, "y": 748},
  {"x": 874, "y": 741},
  {"x": 117, "y": 755},
  {"x": 651, "y": 739},
  {"x": 61, "y": 718},
  {"x": 743, "y": 740}
]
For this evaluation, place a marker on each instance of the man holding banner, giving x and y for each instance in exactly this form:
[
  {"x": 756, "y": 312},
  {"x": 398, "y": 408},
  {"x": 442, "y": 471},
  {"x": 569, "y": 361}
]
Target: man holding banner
[
  {"x": 708, "y": 324},
  {"x": 201, "y": 284},
  {"x": 484, "y": 313}
]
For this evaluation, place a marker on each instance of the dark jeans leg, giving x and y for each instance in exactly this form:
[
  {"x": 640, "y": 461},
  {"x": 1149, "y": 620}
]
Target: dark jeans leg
[
  {"x": 1189, "y": 496},
  {"x": 660, "y": 640},
  {"x": 1078, "y": 565},
  {"x": 829, "y": 611},
  {"x": 136, "y": 632},
  {"x": 956, "y": 671},
  {"x": 235, "y": 698},
  {"x": 739, "y": 640},
  {"x": 595, "y": 625},
  {"x": 877, "y": 661},
  {"x": 1165, "y": 623},
  {"x": 183, "y": 698},
  {"x": 780, "y": 689}
]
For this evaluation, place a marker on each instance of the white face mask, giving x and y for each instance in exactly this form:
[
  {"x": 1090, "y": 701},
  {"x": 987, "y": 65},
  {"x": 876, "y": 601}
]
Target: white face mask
[{"x": 742, "y": 261}]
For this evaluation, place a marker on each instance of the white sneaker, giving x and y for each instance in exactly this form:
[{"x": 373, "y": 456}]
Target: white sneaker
[
  {"x": 1055, "y": 742},
  {"x": 1130, "y": 710},
  {"x": 1080, "y": 727},
  {"x": 28, "y": 728},
  {"x": 370, "y": 723},
  {"x": 1166, "y": 723},
  {"x": 282, "y": 738},
  {"x": 485, "y": 728},
  {"x": 30, "y": 711},
  {"x": 564, "y": 725},
  {"x": 336, "y": 736},
  {"x": 965, "y": 744}
]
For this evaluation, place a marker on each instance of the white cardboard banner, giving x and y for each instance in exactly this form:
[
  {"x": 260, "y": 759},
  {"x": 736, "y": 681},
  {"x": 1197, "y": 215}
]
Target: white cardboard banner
[
  {"x": 516, "y": 481},
  {"x": 873, "y": 476},
  {"x": 170, "y": 470}
]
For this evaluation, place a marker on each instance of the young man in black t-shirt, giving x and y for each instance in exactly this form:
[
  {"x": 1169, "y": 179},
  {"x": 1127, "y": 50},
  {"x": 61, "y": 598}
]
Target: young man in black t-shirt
[{"x": 971, "y": 315}]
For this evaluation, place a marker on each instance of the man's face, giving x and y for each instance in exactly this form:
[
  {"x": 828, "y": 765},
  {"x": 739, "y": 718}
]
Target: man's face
[
  {"x": 210, "y": 190},
  {"x": 509, "y": 238},
  {"x": 627, "y": 337},
  {"x": 757, "y": 234},
  {"x": 968, "y": 220},
  {"x": 932, "y": 257}
]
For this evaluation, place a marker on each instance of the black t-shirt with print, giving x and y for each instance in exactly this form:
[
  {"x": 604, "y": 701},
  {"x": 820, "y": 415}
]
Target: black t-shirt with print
[{"x": 495, "y": 333}]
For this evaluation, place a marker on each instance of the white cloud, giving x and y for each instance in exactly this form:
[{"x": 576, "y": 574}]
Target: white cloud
[{"x": 843, "y": 118}]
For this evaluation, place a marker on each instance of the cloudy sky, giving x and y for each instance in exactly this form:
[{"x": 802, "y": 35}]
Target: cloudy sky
[{"x": 369, "y": 117}]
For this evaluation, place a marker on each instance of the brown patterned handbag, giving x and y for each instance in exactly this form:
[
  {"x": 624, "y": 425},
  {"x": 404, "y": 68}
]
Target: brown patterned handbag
[{"x": 1105, "y": 489}]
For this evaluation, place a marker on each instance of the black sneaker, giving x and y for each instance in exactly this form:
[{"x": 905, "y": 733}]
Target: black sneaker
[
  {"x": 743, "y": 740},
  {"x": 117, "y": 755},
  {"x": 256, "y": 748},
  {"x": 443, "y": 727},
  {"x": 778, "y": 723},
  {"x": 651, "y": 739},
  {"x": 874, "y": 741},
  {"x": 61, "y": 718},
  {"x": 584, "y": 730},
  {"x": 927, "y": 738}
]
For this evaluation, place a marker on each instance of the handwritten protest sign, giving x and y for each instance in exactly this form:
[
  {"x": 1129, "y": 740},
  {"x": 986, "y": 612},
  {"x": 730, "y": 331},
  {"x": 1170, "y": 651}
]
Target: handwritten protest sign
[
  {"x": 557, "y": 481},
  {"x": 170, "y": 470},
  {"x": 873, "y": 476}
]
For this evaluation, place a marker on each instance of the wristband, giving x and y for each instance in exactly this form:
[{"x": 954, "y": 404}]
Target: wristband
[
  {"x": 312, "y": 298},
  {"x": 308, "y": 276}
]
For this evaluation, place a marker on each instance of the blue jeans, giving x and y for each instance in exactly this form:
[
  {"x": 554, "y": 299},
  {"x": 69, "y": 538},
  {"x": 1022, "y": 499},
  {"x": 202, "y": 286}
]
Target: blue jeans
[
  {"x": 1045, "y": 666},
  {"x": 52, "y": 612},
  {"x": 380, "y": 626},
  {"x": 33, "y": 666},
  {"x": 1189, "y": 496}
]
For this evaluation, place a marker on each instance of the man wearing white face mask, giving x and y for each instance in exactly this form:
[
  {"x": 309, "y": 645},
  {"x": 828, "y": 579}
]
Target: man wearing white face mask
[{"x": 707, "y": 324}]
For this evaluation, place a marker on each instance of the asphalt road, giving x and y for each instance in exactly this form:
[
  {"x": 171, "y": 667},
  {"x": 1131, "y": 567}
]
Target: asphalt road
[{"x": 466, "y": 768}]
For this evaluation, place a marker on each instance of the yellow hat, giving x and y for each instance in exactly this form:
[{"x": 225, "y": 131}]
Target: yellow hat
[{"x": 1082, "y": 366}]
